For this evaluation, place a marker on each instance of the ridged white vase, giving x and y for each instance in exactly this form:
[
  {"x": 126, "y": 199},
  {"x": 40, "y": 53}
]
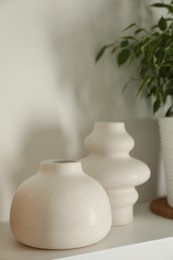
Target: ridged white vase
[
  {"x": 110, "y": 163},
  {"x": 60, "y": 207},
  {"x": 166, "y": 135}
]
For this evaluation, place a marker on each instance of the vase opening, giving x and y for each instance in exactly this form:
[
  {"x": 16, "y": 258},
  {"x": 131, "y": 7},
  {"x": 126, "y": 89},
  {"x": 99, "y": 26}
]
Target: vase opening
[
  {"x": 110, "y": 125},
  {"x": 60, "y": 164},
  {"x": 63, "y": 161}
]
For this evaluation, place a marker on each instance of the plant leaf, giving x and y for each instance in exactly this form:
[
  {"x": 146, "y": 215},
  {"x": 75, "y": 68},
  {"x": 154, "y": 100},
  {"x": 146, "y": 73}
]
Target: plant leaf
[
  {"x": 114, "y": 49},
  {"x": 139, "y": 30},
  {"x": 169, "y": 92},
  {"x": 154, "y": 27},
  {"x": 127, "y": 83},
  {"x": 101, "y": 52},
  {"x": 159, "y": 57},
  {"x": 129, "y": 37},
  {"x": 169, "y": 111},
  {"x": 145, "y": 81},
  {"x": 162, "y": 24},
  {"x": 130, "y": 26},
  {"x": 170, "y": 84},
  {"x": 123, "y": 56},
  {"x": 152, "y": 91},
  {"x": 160, "y": 5},
  {"x": 167, "y": 6},
  {"x": 156, "y": 105},
  {"x": 124, "y": 43}
]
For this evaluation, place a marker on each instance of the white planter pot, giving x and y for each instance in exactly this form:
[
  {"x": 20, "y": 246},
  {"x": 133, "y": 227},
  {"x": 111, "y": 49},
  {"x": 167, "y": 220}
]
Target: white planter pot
[
  {"x": 110, "y": 163},
  {"x": 166, "y": 135},
  {"x": 60, "y": 207}
]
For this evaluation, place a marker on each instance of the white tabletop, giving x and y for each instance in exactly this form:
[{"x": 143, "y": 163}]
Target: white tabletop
[{"x": 148, "y": 236}]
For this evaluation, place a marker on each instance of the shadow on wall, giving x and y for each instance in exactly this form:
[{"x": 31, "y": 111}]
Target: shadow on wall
[
  {"x": 40, "y": 144},
  {"x": 84, "y": 93},
  {"x": 51, "y": 143},
  {"x": 96, "y": 90}
]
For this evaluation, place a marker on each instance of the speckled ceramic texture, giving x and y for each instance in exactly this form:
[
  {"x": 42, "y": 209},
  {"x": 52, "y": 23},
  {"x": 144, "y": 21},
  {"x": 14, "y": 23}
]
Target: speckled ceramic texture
[
  {"x": 60, "y": 207},
  {"x": 109, "y": 162}
]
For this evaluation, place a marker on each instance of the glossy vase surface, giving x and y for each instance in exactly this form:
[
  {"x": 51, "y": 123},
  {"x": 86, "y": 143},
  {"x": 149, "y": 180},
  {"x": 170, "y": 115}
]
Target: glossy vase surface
[
  {"x": 109, "y": 162},
  {"x": 60, "y": 207}
]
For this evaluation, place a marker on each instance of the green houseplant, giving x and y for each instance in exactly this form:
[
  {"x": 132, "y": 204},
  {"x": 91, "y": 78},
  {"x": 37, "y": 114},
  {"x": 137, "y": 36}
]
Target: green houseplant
[{"x": 151, "y": 51}]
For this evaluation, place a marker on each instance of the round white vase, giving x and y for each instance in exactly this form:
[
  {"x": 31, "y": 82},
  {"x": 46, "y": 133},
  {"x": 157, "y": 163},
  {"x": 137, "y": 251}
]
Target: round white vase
[
  {"x": 110, "y": 163},
  {"x": 166, "y": 135},
  {"x": 60, "y": 207}
]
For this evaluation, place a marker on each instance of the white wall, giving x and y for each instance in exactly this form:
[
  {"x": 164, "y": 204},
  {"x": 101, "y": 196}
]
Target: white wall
[{"x": 51, "y": 91}]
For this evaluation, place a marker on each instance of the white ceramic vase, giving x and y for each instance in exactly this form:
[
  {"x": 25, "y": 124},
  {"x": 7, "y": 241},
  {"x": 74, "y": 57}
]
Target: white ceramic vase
[
  {"x": 60, "y": 207},
  {"x": 110, "y": 163},
  {"x": 166, "y": 135}
]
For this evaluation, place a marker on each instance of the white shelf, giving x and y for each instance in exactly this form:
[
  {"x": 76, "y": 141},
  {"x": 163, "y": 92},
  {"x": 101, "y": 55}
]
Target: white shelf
[{"x": 148, "y": 237}]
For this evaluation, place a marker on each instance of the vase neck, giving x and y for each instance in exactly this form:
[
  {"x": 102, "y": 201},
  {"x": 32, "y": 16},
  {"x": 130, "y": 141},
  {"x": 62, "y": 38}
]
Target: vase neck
[
  {"x": 61, "y": 166},
  {"x": 109, "y": 138},
  {"x": 110, "y": 126}
]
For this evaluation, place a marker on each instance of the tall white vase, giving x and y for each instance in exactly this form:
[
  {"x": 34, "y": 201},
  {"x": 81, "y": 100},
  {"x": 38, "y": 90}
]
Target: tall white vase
[
  {"x": 110, "y": 163},
  {"x": 166, "y": 135},
  {"x": 60, "y": 207}
]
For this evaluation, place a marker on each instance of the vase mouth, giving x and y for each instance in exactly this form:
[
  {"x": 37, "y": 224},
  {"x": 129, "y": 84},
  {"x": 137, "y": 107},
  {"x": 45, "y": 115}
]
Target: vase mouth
[
  {"x": 59, "y": 161},
  {"x": 63, "y": 165},
  {"x": 118, "y": 124},
  {"x": 108, "y": 122}
]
